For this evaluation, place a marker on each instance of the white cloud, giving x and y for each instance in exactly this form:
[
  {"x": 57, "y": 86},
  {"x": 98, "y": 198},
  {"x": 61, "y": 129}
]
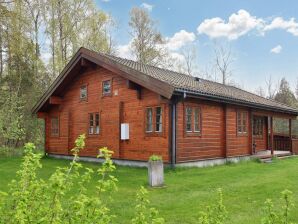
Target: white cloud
[
  {"x": 105, "y": 0},
  {"x": 147, "y": 6},
  {"x": 124, "y": 51},
  {"x": 290, "y": 26},
  {"x": 180, "y": 39},
  {"x": 172, "y": 45},
  {"x": 177, "y": 56},
  {"x": 276, "y": 50},
  {"x": 238, "y": 24}
]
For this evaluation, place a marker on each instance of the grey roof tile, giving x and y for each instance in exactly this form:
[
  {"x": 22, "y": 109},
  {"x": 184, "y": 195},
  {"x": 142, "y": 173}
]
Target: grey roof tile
[{"x": 200, "y": 86}]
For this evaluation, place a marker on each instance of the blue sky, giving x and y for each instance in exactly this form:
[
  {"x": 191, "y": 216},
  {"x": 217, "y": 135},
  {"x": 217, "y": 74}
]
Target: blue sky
[{"x": 263, "y": 35}]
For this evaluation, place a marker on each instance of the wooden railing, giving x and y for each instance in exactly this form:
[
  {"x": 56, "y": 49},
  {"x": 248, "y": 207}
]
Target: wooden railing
[{"x": 281, "y": 143}]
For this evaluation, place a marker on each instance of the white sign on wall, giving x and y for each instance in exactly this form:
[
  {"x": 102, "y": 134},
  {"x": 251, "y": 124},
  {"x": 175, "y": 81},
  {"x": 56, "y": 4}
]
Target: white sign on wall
[{"x": 124, "y": 131}]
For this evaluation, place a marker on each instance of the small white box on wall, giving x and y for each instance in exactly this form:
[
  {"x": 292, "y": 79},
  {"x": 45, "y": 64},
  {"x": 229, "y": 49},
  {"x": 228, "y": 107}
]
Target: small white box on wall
[{"x": 124, "y": 131}]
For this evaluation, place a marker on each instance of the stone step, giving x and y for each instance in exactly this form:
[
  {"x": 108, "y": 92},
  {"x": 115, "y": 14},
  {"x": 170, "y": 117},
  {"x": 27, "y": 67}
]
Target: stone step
[{"x": 266, "y": 160}]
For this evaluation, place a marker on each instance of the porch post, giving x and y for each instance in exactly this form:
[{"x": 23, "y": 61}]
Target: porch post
[
  {"x": 290, "y": 134},
  {"x": 271, "y": 135}
]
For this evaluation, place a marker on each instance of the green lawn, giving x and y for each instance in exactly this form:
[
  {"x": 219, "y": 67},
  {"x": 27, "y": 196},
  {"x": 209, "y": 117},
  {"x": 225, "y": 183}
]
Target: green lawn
[{"x": 245, "y": 186}]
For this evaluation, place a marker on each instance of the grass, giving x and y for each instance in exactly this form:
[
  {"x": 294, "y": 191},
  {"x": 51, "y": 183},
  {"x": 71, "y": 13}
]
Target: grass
[{"x": 246, "y": 186}]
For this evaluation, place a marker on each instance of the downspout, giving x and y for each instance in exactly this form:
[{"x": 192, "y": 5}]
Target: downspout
[{"x": 173, "y": 144}]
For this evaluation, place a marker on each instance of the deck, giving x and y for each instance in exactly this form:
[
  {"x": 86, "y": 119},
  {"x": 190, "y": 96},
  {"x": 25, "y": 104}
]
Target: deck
[{"x": 267, "y": 154}]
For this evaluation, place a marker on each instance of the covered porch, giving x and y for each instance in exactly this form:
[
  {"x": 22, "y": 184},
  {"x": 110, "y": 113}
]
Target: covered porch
[{"x": 274, "y": 135}]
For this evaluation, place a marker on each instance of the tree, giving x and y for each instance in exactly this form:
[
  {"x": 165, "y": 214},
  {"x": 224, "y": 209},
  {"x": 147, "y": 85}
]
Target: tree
[
  {"x": 285, "y": 94},
  {"x": 27, "y": 27},
  {"x": 223, "y": 60},
  {"x": 260, "y": 91},
  {"x": 271, "y": 90},
  {"x": 147, "y": 40},
  {"x": 73, "y": 24},
  {"x": 296, "y": 89},
  {"x": 190, "y": 57}
]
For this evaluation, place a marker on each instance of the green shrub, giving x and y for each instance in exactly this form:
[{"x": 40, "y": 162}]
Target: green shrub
[
  {"x": 256, "y": 160},
  {"x": 279, "y": 215},
  {"x": 216, "y": 213},
  {"x": 11, "y": 152},
  {"x": 145, "y": 215},
  {"x": 34, "y": 200},
  {"x": 155, "y": 158}
]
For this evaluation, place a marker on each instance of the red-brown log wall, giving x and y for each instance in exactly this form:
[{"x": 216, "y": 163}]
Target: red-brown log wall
[
  {"x": 237, "y": 145},
  {"x": 74, "y": 119},
  {"x": 210, "y": 144},
  {"x": 218, "y": 138}
]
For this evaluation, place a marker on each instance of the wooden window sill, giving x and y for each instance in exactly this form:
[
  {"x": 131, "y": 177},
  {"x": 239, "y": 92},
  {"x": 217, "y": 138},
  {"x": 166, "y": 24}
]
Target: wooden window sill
[
  {"x": 242, "y": 134},
  {"x": 193, "y": 134},
  {"x": 154, "y": 134}
]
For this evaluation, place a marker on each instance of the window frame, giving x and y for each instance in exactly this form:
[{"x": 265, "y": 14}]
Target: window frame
[
  {"x": 187, "y": 119},
  {"x": 94, "y": 124},
  {"x": 146, "y": 120},
  {"x": 161, "y": 120},
  {"x": 242, "y": 132},
  {"x": 51, "y": 126},
  {"x": 154, "y": 132},
  {"x": 86, "y": 98},
  {"x": 194, "y": 108},
  {"x": 258, "y": 123},
  {"x": 199, "y": 116},
  {"x": 111, "y": 87}
]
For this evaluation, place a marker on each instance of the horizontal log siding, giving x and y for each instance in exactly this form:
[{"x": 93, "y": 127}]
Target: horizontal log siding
[
  {"x": 59, "y": 144},
  {"x": 237, "y": 145},
  {"x": 74, "y": 119},
  {"x": 211, "y": 142}
]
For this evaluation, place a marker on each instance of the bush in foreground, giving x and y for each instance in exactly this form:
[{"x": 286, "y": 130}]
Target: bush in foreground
[{"x": 34, "y": 200}]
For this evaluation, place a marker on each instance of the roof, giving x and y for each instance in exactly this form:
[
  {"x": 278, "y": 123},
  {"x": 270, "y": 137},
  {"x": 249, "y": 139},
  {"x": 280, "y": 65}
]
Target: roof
[{"x": 167, "y": 83}]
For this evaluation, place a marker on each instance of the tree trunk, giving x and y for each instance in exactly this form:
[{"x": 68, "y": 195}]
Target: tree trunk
[
  {"x": 1, "y": 52},
  {"x": 36, "y": 44},
  {"x": 60, "y": 31}
]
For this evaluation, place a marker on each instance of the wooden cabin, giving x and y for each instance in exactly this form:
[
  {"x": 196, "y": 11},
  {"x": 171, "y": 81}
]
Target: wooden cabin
[{"x": 138, "y": 110}]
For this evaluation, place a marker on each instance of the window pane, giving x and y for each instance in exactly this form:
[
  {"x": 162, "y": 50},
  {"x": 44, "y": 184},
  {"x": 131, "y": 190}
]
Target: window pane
[
  {"x": 149, "y": 121},
  {"x": 188, "y": 118},
  {"x": 55, "y": 126},
  {"x": 83, "y": 92},
  {"x": 97, "y": 123},
  {"x": 197, "y": 120},
  {"x": 242, "y": 122},
  {"x": 91, "y": 124},
  {"x": 158, "y": 127},
  {"x": 239, "y": 129},
  {"x": 106, "y": 87},
  {"x": 258, "y": 126}
]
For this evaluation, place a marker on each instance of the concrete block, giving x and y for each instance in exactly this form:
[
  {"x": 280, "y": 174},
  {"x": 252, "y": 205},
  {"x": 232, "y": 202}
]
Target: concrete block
[{"x": 155, "y": 173}]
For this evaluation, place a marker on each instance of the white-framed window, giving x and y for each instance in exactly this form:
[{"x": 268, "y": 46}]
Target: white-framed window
[
  {"x": 83, "y": 92},
  {"x": 149, "y": 119},
  {"x": 242, "y": 122},
  {"x": 94, "y": 123},
  {"x": 107, "y": 87},
  {"x": 158, "y": 119}
]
